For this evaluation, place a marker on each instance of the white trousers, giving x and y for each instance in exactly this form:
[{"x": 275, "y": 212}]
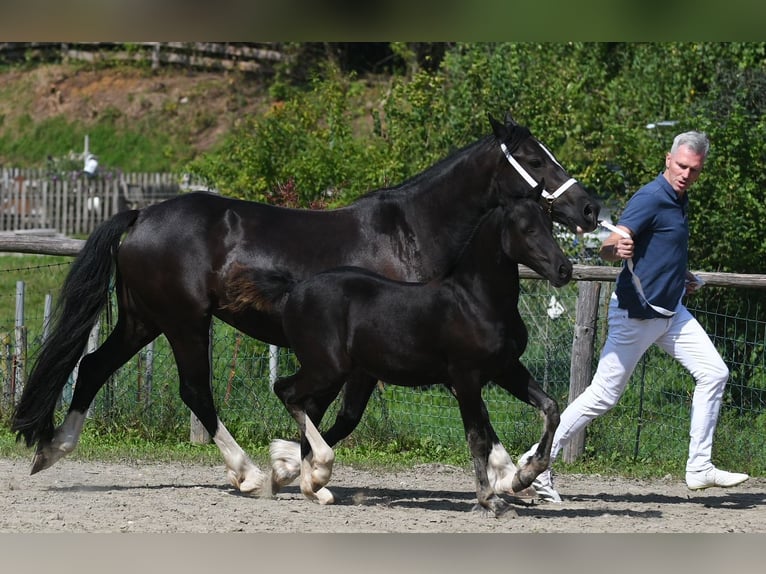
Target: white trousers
[{"x": 682, "y": 337}]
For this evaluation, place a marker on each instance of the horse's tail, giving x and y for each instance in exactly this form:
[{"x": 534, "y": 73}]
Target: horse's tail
[
  {"x": 262, "y": 289},
  {"x": 84, "y": 294}
]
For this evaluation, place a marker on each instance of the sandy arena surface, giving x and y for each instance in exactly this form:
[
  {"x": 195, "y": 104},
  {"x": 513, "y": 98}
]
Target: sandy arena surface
[{"x": 77, "y": 497}]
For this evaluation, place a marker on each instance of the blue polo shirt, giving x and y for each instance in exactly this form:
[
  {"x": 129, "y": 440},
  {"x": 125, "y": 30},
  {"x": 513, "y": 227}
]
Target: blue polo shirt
[{"x": 660, "y": 225}]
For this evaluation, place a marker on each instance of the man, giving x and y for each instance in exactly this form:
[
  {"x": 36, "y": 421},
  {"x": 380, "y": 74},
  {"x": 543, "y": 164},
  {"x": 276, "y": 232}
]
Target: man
[{"x": 652, "y": 236}]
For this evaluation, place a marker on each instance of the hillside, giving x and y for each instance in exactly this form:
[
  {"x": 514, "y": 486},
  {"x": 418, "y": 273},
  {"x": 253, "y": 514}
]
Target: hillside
[{"x": 186, "y": 111}]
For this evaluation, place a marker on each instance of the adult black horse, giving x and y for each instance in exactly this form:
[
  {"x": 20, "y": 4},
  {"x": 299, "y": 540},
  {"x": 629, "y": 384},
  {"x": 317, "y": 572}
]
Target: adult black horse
[
  {"x": 349, "y": 326},
  {"x": 191, "y": 258}
]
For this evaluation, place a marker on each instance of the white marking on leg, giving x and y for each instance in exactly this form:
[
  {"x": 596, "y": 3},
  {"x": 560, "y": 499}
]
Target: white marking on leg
[
  {"x": 241, "y": 471},
  {"x": 285, "y": 462},
  {"x": 500, "y": 469},
  {"x": 316, "y": 469}
]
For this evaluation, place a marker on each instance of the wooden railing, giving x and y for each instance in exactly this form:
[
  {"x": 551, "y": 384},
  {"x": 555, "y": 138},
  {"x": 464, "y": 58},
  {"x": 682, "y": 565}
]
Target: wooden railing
[{"x": 242, "y": 56}]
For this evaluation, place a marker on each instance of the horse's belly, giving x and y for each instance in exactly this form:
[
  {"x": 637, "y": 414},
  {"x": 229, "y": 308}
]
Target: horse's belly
[{"x": 403, "y": 369}]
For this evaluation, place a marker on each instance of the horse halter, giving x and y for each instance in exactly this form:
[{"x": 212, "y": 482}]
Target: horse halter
[{"x": 551, "y": 197}]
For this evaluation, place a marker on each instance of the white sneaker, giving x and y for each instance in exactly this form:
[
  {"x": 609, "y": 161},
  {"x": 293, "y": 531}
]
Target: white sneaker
[
  {"x": 543, "y": 484},
  {"x": 714, "y": 477}
]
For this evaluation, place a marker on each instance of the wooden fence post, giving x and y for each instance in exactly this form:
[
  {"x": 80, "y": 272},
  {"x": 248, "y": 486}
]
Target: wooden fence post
[{"x": 582, "y": 355}]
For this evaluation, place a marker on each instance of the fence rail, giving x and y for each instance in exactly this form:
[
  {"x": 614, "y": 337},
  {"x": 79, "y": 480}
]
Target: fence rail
[
  {"x": 242, "y": 56},
  {"x": 651, "y": 422}
]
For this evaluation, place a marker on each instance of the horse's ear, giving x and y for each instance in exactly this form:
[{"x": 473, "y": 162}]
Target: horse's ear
[
  {"x": 509, "y": 121},
  {"x": 500, "y": 130}
]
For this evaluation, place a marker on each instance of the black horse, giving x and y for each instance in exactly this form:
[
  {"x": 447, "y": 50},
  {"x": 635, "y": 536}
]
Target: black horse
[
  {"x": 193, "y": 257},
  {"x": 461, "y": 330}
]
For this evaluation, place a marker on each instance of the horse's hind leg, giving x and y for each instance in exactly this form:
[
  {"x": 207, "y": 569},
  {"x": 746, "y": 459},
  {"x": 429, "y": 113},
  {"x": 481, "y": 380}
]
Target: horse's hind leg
[
  {"x": 286, "y": 455},
  {"x": 295, "y": 392},
  {"x": 93, "y": 371},
  {"x": 191, "y": 349},
  {"x": 316, "y": 469}
]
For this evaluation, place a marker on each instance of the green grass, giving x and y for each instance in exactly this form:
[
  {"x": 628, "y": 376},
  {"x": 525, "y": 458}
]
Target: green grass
[
  {"x": 42, "y": 275},
  {"x": 138, "y": 420},
  {"x": 95, "y": 445}
]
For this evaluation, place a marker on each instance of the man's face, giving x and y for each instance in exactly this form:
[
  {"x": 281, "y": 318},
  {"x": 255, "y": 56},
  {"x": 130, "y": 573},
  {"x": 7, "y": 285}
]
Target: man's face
[{"x": 682, "y": 168}]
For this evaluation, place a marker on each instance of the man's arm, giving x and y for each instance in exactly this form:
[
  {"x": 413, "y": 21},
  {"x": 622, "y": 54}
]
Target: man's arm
[{"x": 617, "y": 246}]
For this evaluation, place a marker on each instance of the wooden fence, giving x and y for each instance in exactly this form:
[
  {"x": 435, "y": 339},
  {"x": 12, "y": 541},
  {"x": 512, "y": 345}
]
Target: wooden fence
[
  {"x": 242, "y": 56},
  {"x": 590, "y": 279},
  {"x": 33, "y": 202}
]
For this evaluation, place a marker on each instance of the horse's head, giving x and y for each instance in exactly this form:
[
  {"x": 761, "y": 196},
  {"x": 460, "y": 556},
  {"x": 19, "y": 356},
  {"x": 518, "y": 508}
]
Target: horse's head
[
  {"x": 527, "y": 237},
  {"x": 528, "y": 162}
]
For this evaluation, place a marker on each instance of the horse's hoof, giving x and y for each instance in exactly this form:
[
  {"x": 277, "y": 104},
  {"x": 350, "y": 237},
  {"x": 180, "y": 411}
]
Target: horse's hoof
[
  {"x": 324, "y": 496},
  {"x": 528, "y": 492},
  {"x": 45, "y": 458},
  {"x": 519, "y": 484},
  {"x": 254, "y": 484},
  {"x": 39, "y": 462},
  {"x": 495, "y": 508}
]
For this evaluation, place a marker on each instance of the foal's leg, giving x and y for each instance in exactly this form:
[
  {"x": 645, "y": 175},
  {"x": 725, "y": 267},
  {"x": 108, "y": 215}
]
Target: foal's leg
[
  {"x": 316, "y": 455},
  {"x": 286, "y": 455},
  {"x": 191, "y": 348},
  {"x": 479, "y": 434},
  {"x": 95, "y": 368},
  {"x": 286, "y": 459},
  {"x": 316, "y": 468},
  {"x": 500, "y": 467},
  {"x": 520, "y": 382}
]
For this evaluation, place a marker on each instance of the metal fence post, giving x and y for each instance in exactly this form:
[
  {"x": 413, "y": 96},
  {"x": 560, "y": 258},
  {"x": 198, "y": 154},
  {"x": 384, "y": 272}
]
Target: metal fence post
[
  {"x": 273, "y": 365},
  {"x": 197, "y": 432},
  {"x": 20, "y": 354}
]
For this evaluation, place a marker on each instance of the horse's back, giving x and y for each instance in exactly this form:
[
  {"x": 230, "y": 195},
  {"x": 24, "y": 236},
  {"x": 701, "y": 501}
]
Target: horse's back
[{"x": 354, "y": 316}]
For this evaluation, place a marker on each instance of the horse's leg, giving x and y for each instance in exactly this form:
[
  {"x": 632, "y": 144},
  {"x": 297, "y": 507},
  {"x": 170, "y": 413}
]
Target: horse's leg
[
  {"x": 500, "y": 467},
  {"x": 127, "y": 338},
  {"x": 479, "y": 434},
  {"x": 316, "y": 456},
  {"x": 286, "y": 455},
  {"x": 191, "y": 349},
  {"x": 317, "y": 467},
  {"x": 520, "y": 382}
]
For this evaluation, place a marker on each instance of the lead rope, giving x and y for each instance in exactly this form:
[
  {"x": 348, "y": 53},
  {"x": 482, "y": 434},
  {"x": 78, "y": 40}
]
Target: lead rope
[{"x": 636, "y": 280}]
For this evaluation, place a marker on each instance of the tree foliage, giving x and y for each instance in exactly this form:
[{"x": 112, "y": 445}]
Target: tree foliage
[{"x": 589, "y": 102}]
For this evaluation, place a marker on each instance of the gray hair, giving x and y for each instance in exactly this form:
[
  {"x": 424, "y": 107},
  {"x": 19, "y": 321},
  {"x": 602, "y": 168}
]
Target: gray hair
[{"x": 698, "y": 142}]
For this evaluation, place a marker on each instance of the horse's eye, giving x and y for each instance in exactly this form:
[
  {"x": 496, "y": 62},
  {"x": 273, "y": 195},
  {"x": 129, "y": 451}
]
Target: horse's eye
[{"x": 535, "y": 163}]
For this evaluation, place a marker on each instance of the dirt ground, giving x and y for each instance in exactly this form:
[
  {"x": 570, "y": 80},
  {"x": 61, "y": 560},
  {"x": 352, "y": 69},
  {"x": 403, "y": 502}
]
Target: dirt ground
[{"x": 77, "y": 497}]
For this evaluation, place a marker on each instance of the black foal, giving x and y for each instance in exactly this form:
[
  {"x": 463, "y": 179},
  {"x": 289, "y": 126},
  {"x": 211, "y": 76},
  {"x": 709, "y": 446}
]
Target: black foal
[{"x": 462, "y": 330}]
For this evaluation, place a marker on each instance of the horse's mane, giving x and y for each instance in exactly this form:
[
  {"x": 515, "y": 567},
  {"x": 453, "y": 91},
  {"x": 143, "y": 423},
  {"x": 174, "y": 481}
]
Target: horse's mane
[
  {"x": 444, "y": 166},
  {"x": 435, "y": 171}
]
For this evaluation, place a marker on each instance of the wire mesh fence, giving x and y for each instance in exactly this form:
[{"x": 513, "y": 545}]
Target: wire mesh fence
[{"x": 650, "y": 423}]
